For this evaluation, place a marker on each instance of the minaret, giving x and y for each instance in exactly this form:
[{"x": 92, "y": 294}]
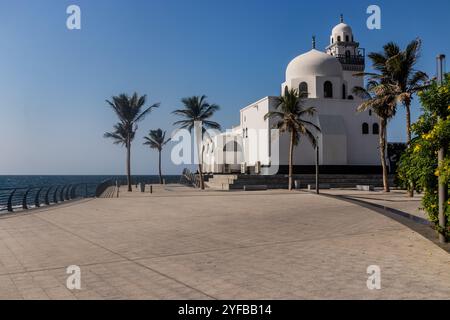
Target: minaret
[{"x": 344, "y": 47}]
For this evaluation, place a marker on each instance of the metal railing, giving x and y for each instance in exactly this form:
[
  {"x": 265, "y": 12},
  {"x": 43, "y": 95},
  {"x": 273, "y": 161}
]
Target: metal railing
[
  {"x": 190, "y": 179},
  {"x": 15, "y": 199},
  {"x": 102, "y": 187},
  {"x": 351, "y": 62}
]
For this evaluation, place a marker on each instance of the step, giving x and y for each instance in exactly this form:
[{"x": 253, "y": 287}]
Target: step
[{"x": 255, "y": 188}]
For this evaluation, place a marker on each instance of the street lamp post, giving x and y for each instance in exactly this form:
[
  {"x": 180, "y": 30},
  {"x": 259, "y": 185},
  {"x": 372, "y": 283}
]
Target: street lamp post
[
  {"x": 443, "y": 188},
  {"x": 317, "y": 166}
]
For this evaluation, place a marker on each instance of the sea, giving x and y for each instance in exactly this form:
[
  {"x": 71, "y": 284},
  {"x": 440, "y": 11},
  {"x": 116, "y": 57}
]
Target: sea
[{"x": 26, "y": 181}]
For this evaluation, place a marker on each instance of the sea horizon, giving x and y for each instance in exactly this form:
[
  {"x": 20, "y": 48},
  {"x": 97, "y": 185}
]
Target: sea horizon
[{"x": 36, "y": 180}]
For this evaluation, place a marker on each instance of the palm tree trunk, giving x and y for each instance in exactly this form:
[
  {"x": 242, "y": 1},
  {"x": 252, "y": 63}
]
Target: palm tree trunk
[
  {"x": 129, "y": 166},
  {"x": 200, "y": 173},
  {"x": 383, "y": 124},
  {"x": 411, "y": 186},
  {"x": 291, "y": 157},
  {"x": 408, "y": 123},
  {"x": 160, "y": 174}
]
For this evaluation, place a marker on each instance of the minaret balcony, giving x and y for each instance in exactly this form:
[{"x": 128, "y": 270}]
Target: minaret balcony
[
  {"x": 351, "y": 59},
  {"x": 351, "y": 62}
]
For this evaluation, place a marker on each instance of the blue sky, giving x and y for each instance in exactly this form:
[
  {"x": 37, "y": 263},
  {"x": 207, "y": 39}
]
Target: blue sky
[{"x": 54, "y": 82}]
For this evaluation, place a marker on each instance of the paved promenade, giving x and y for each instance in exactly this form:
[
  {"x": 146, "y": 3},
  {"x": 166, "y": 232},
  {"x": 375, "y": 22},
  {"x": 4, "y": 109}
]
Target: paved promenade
[{"x": 179, "y": 243}]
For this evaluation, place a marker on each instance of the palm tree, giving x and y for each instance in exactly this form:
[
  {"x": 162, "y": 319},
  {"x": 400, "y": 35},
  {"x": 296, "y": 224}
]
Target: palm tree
[
  {"x": 129, "y": 111},
  {"x": 406, "y": 81},
  {"x": 119, "y": 135},
  {"x": 156, "y": 139},
  {"x": 197, "y": 109},
  {"x": 289, "y": 114},
  {"x": 379, "y": 98},
  {"x": 396, "y": 67}
]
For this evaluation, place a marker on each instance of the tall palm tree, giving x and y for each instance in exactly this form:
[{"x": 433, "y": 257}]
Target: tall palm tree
[
  {"x": 396, "y": 67},
  {"x": 290, "y": 114},
  {"x": 197, "y": 109},
  {"x": 379, "y": 98},
  {"x": 156, "y": 139},
  {"x": 130, "y": 111},
  {"x": 406, "y": 79},
  {"x": 119, "y": 134}
]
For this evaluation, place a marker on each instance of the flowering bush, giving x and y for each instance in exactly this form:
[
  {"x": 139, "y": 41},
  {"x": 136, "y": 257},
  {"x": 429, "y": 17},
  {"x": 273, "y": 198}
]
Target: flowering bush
[{"x": 419, "y": 164}]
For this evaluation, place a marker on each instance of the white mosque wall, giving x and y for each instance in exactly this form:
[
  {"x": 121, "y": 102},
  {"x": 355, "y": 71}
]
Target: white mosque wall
[
  {"x": 352, "y": 82},
  {"x": 256, "y": 132},
  {"x": 342, "y": 141}
]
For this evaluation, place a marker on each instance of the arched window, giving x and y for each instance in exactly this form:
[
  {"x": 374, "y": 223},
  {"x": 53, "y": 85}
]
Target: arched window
[
  {"x": 328, "y": 89},
  {"x": 303, "y": 89},
  {"x": 332, "y": 40},
  {"x": 339, "y": 39},
  {"x": 376, "y": 128},
  {"x": 347, "y": 38},
  {"x": 344, "y": 92},
  {"x": 365, "y": 128},
  {"x": 232, "y": 146}
]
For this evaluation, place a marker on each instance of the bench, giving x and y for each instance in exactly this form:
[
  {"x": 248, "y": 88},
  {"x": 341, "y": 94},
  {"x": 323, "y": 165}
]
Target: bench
[
  {"x": 365, "y": 188},
  {"x": 255, "y": 188}
]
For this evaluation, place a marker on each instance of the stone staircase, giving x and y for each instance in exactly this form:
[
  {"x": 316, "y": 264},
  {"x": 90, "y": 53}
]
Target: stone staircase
[{"x": 238, "y": 181}]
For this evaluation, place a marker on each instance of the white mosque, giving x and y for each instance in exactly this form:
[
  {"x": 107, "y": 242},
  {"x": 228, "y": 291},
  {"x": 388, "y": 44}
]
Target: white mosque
[{"x": 348, "y": 141}]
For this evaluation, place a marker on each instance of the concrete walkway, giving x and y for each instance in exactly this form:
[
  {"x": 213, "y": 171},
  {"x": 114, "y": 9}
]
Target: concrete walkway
[
  {"x": 179, "y": 243},
  {"x": 396, "y": 199}
]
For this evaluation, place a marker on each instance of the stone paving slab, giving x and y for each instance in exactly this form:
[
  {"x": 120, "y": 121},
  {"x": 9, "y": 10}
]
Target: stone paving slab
[{"x": 180, "y": 243}]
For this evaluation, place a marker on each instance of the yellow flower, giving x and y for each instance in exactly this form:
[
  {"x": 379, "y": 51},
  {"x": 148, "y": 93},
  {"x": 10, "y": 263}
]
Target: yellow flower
[
  {"x": 417, "y": 148},
  {"x": 437, "y": 173}
]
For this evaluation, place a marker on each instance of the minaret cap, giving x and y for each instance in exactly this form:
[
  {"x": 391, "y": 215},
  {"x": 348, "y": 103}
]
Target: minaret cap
[{"x": 342, "y": 18}]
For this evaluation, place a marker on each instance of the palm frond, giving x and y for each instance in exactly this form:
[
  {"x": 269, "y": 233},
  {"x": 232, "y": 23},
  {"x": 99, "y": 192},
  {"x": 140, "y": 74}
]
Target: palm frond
[{"x": 197, "y": 109}]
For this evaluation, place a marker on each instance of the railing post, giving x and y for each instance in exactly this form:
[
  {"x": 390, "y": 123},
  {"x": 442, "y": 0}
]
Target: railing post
[
  {"x": 55, "y": 195},
  {"x": 47, "y": 200},
  {"x": 10, "y": 208},
  {"x": 24, "y": 200},
  {"x": 67, "y": 192},
  {"x": 37, "y": 203},
  {"x": 73, "y": 192},
  {"x": 61, "y": 194}
]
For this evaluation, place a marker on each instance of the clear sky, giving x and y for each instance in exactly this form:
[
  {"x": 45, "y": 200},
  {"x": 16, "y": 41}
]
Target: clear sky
[{"x": 54, "y": 82}]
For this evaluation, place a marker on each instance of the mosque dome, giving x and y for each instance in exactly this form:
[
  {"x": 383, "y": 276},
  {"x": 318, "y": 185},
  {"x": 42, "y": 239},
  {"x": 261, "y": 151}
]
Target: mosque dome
[
  {"x": 340, "y": 29},
  {"x": 342, "y": 32},
  {"x": 314, "y": 63}
]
